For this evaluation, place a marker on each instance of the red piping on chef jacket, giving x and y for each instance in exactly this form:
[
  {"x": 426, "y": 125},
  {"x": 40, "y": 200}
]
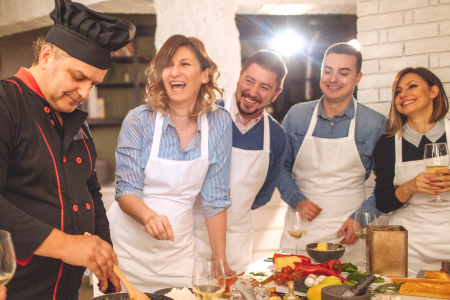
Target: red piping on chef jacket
[
  {"x": 24, "y": 75},
  {"x": 90, "y": 159},
  {"x": 15, "y": 84},
  {"x": 62, "y": 205}
]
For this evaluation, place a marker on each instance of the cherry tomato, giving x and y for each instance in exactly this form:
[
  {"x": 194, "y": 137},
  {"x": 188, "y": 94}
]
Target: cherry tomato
[
  {"x": 284, "y": 277},
  {"x": 278, "y": 280},
  {"x": 287, "y": 270}
]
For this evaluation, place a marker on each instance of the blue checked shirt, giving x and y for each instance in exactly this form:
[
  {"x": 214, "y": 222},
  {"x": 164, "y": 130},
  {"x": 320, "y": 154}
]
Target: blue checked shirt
[{"x": 135, "y": 143}]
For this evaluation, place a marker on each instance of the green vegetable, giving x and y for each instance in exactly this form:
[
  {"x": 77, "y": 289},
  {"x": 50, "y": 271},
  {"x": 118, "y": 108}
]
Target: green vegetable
[
  {"x": 388, "y": 288},
  {"x": 349, "y": 283},
  {"x": 349, "y": 267},
  {"x": 357, "y": 277},
  {"x": 257, "y": 274}
]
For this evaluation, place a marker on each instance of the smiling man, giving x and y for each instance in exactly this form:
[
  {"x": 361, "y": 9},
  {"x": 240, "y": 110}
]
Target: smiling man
[
  {"x": 49, "y": 192},
  {"x": 257, "y": 155},
  {"x": 329, "y": 153}
]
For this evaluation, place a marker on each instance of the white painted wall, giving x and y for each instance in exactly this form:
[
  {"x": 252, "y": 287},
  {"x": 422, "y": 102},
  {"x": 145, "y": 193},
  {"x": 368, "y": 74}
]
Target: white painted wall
[
  {"x": 213, "y": 22},
  {"x": 396, "y": 34}
]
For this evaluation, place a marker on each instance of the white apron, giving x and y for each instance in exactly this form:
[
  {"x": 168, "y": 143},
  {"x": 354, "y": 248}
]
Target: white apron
[
  {"x": 329, "y": 172},
  {"x": 428, "y": 223},
  {"x": 248, "y": 173},
  {"x": 170, "y": 188}
]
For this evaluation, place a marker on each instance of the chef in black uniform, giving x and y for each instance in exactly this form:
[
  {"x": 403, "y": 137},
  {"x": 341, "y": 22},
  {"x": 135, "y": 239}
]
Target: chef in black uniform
[{"x": 49, "y": 192}]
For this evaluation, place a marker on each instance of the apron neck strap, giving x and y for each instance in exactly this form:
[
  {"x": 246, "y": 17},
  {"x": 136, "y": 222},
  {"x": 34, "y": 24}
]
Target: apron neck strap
[
  {"x": 157, "y": 134},
  {"x": 398, "y": 148},
  {"x": 204, "y": 134},
  {"x": 447, "y": 128},
  {"x": 315, "y": 116},
  {"x": 266, "y": 146}
]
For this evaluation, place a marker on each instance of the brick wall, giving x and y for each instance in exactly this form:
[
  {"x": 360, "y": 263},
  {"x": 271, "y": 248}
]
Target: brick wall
[{"x": 395, "y": 34}]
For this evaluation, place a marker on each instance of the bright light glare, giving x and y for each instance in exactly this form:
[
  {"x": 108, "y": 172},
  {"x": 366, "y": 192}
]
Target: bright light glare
[
  {"x": 287, "y": 43},
  {"x": 354, "y": 43}
]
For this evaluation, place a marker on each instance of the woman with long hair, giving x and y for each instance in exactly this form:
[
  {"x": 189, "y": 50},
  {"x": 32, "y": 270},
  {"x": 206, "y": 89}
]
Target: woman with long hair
[
  {"x": 416, "y": 118},
  {"x": 171, "y": 149}
]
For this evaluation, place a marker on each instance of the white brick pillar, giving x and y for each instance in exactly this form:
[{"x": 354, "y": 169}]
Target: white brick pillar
[
  {"x": 213, "y": 22},
  {"x": 399, "y": 34}
]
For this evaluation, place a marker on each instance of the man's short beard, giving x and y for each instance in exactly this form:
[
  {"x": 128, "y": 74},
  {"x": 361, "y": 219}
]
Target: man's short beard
[{"x": 238, "y": 104}]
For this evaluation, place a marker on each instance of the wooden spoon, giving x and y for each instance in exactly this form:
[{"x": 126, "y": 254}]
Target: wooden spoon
[{"x": 133, "y": 292}]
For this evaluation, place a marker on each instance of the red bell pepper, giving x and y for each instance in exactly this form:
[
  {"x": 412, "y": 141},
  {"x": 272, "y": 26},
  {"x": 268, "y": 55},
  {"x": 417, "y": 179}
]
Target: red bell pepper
[
  {"x": 318, "y": 270},
  {"x": 303, "y": 258},
  {"x": 334, "y": 265}
]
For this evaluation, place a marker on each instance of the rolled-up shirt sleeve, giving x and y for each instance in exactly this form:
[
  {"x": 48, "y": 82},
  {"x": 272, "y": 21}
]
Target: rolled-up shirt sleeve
[
  {"x": 129, "y": 172},
  {"x": 215, "y": 193}
]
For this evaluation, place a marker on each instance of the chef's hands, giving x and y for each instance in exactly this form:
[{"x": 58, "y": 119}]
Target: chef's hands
[
  {"x": 312, "y": 210},
  {"x": 2, "y": 292},
  {"x": 103, "y": 284},
  {"x": 80, "y": 250},
  {"x": 158, "y": 226},
  {"x": 351, "y": 236}
]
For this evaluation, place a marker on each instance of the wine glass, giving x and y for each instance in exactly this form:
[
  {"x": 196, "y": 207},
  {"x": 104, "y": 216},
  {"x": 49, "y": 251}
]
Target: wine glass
[
  {"x": 296, "y": 224},
  {"x": 436, "y": 158},
  {"x": 208, "y": 278},
  {"x": 362, "y": 219},
  {"x": 7, "y": 258}
]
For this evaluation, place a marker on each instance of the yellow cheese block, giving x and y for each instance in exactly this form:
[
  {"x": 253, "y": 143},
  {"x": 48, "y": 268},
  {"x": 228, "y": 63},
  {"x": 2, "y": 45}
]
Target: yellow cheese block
[
  {"x": 322, "y": 246},
  {"x": 286, "y": 261}
]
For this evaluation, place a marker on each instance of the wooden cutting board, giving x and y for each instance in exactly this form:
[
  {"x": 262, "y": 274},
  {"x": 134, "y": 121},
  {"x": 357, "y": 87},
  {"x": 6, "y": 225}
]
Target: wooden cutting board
[{"x": 228, "y": 294}]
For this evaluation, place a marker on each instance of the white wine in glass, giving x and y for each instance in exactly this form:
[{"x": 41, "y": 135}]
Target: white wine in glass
[
  {"x": 362, "y": 219},
  {"x": 436, "y": 158},
  {"x": 208, "y": 278},
  {"x": 296, "y": 224},
  {"x": 7, "y": 258}
]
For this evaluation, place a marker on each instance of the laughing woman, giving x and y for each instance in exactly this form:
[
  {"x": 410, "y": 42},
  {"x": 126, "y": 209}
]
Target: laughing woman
[
  {"x": 171, "y": 149},
  {"x": 416, "y": 118}
]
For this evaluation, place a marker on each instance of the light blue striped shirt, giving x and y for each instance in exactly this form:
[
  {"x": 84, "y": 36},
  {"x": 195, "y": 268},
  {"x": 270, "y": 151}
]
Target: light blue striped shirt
[{"x": 135, "y": 143}]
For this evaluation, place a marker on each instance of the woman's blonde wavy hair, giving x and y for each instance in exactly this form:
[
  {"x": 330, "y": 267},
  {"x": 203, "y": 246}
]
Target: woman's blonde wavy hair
[
  {"x": 396, "y": 120},
  {"x": 156, "y": 95}
]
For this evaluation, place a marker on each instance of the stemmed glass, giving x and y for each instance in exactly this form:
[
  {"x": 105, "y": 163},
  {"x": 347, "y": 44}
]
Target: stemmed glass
[
  {"x": 7, "y": 258},
  {"x": 296, "y": 224},
  {"x": 436, "y": 158},
  {"x": 208, "y": 277},
  {"x": 362, "y": 219}
]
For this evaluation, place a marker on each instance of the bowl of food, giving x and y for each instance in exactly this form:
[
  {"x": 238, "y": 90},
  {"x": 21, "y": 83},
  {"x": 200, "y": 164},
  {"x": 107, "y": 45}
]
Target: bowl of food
[{"x": 320, "y": 252}]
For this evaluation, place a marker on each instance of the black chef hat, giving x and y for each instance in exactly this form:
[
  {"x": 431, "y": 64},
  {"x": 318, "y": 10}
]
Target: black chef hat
[{"x": 87, "y": 35}]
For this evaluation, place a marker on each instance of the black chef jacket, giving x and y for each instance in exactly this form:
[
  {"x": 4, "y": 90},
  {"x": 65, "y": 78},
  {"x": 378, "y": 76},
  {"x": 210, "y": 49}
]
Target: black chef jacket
[{"x": 47, "y": 180}]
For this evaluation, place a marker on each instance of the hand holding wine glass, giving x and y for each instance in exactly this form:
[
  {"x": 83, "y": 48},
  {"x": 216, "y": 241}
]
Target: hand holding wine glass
[
  {"x": 362, "y": 219},
  {"x": 436, "y": 158},
  {"x": 7, "y": 258},
  {"x": 208, "y": 278},
  {"x": 296, "y": 224}
]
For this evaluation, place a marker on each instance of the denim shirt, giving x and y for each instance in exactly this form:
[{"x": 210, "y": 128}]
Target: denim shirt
[{"x": 369, "y": 127}]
